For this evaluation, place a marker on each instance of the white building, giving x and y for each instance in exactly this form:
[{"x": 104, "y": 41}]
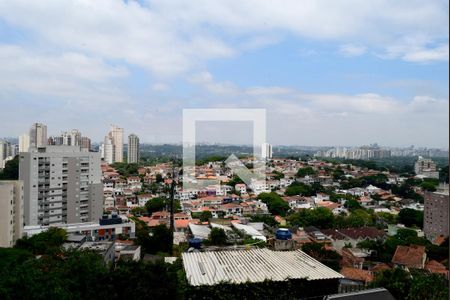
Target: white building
[
  {"x": 108, "y": 150},
  {"x": 266, "y": 151},
  {"x": 24, "y": 143},
  {"x": 11, "y": 212}
]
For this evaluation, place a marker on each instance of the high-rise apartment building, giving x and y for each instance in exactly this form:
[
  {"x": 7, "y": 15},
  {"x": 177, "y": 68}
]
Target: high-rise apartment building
[
  {"x": 266, "y": 151},
  {"x": 11, "y": 212},
  {"x": 71, "y": 138},
  {"x": 426, "y": 167},
  {"x": 24, "y": 143},
  {"x": 62, "y": 184},
  {"x": 435, "y": 214},
  {"x": 6, "y": 152},
  {"x": 116, "y": 135},
  {"x": 38, "y": 135},
  {"x": 133, "y": 149},
  {"x": 108, "y": 150},
  {"x": 85, "y": 143}
]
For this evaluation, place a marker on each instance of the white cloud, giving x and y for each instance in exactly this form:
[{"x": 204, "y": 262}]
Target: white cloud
[
  {"x": 160, "y": 87},
  {"x": 169, "y": 37},
  {"x": 302, "y": 118},
  {"x": 70, "y": 76},
  {"x": 352, "y": 50}
]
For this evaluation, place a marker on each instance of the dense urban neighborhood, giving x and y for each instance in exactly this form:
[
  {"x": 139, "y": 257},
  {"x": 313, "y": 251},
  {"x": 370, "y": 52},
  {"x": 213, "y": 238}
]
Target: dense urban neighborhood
[{"x": 312, "y": 227}]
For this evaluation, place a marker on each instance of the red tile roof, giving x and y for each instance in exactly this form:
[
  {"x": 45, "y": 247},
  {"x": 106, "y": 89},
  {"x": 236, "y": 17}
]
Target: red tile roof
[
  {"x": 436, "y": 267},
  {"x": 357, "y": 274},
  {"x": 412, "y": 256}
]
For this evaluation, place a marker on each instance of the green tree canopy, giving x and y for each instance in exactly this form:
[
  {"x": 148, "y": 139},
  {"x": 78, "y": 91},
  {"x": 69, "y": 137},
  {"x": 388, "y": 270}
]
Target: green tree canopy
[
  {"x": 155, "y": 204},
  {"x": 217, "y": 237},
  {"x": 11, "y": 169},
  {"x": 320, "y": 217},
  {"x": 302, "y": 172},
  {"x": 275, "y": 204},
  {"x": 411, "y": 217}
]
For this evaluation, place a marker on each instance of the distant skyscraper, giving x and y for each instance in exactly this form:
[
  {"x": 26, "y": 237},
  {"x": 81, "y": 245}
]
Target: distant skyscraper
[
  {"x": 426, "y": 167},
  {"x": 266, "y": 150},
  {"x": 38, "y": 135},
  {"x": 71, "y": 138},
  {"x": 108, "y": 150},
  {"x": 133, "y": 149},
  {"x": 116, "y": 135},
  {"x": 24, "y": 143},
  {"x": 62, "y": 184},
  {"x": 11, "y": 212},
  {"x": 85, "y": 143},
  {"x": 4, "y": 150}
]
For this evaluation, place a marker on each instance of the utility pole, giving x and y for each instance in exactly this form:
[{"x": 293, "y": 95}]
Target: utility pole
[{"x": 172, "y": 192}]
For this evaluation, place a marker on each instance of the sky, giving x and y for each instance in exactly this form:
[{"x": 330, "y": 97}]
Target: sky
[{"x": 341, "y": 72}]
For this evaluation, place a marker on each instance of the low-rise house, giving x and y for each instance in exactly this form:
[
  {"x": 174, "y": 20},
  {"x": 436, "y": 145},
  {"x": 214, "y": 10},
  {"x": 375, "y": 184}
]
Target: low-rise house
[
  {"x": 358, "y": 276},
  {"x": 354, "y": 257},
  {"x": 143, "y": 199},
  {"x": 436, "y": 267},
  {"x": 412, "y": 256},
  {"x": 352, "y": 236}
]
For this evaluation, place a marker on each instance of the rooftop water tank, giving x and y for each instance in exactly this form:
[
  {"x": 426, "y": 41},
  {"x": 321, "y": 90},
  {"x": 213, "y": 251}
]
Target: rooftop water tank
[
  {"x": 195, "y": 243},
  {"x": 283, "y": 234}
]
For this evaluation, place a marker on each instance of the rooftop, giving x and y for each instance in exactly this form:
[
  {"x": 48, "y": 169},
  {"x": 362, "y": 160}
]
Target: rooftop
[{"x": 256, "y": 265}]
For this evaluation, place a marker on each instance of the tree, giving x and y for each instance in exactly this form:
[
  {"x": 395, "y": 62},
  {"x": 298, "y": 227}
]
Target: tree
[
  {"x": 159, "y": 178},
  {"x": 269, "y": 220},
  {"x": 205, "y": 216},
  {"x": 352, "y": 204},
  {"x": 299, "y": 188},
  {"x": 11, "y": 170},
  {"x": 395, "y": 280},
  {"x": 138, "y": 211},
  {"x": 155, "y": 204},
  {"x": 428, "y": 186},
  {"x": 443, "y": 174},
  {"x": 302, "y": 172},
  {"x": 320, "y": 217},
  {"x": 218, "y": 237},
  {"x": 411, "y": 217},
  {"x": 161, "y": 240},
  {"x": 275, "y": 204},
  {"x": 428, "y": 286},
  {"x": 359, "y": 218},
  {"x": 47, "y": 242},
  {"x": 328, "y": 257}
]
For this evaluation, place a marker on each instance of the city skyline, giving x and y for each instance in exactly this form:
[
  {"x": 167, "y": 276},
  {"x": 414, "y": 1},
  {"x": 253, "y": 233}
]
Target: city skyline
[{"x": 349, "y": 81}]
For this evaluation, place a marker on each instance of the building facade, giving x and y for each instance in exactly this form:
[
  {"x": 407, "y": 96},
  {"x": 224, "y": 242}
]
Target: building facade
[
  {"x": 85, "y": 143},
  {"x": 24, "y": 143},
  {"x": 266, "y": 151},
  {"x": 62, "y": 184},
  {"x": 116, "y": 134},
  {"x": 426, "y": 167},
  {"x": 38, "y": 135},
  {"x": 107, "y": 151},
  {"x": 11, "y": 212},
  {"x": 435, "y": 218},
  {"x": 133, "y": 149}
]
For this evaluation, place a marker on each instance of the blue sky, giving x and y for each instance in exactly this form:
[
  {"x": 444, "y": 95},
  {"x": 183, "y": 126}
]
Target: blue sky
[{"x": 342, "y": 73}]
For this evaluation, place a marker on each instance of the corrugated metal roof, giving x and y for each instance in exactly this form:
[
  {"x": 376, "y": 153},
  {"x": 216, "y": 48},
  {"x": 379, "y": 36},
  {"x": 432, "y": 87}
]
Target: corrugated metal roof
[
  {"x": 256, "y": 265},
  {"x": 225, "y": 228},
  {"x": 250, "y": 231},
  {"x": 199, "y": 231}
]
